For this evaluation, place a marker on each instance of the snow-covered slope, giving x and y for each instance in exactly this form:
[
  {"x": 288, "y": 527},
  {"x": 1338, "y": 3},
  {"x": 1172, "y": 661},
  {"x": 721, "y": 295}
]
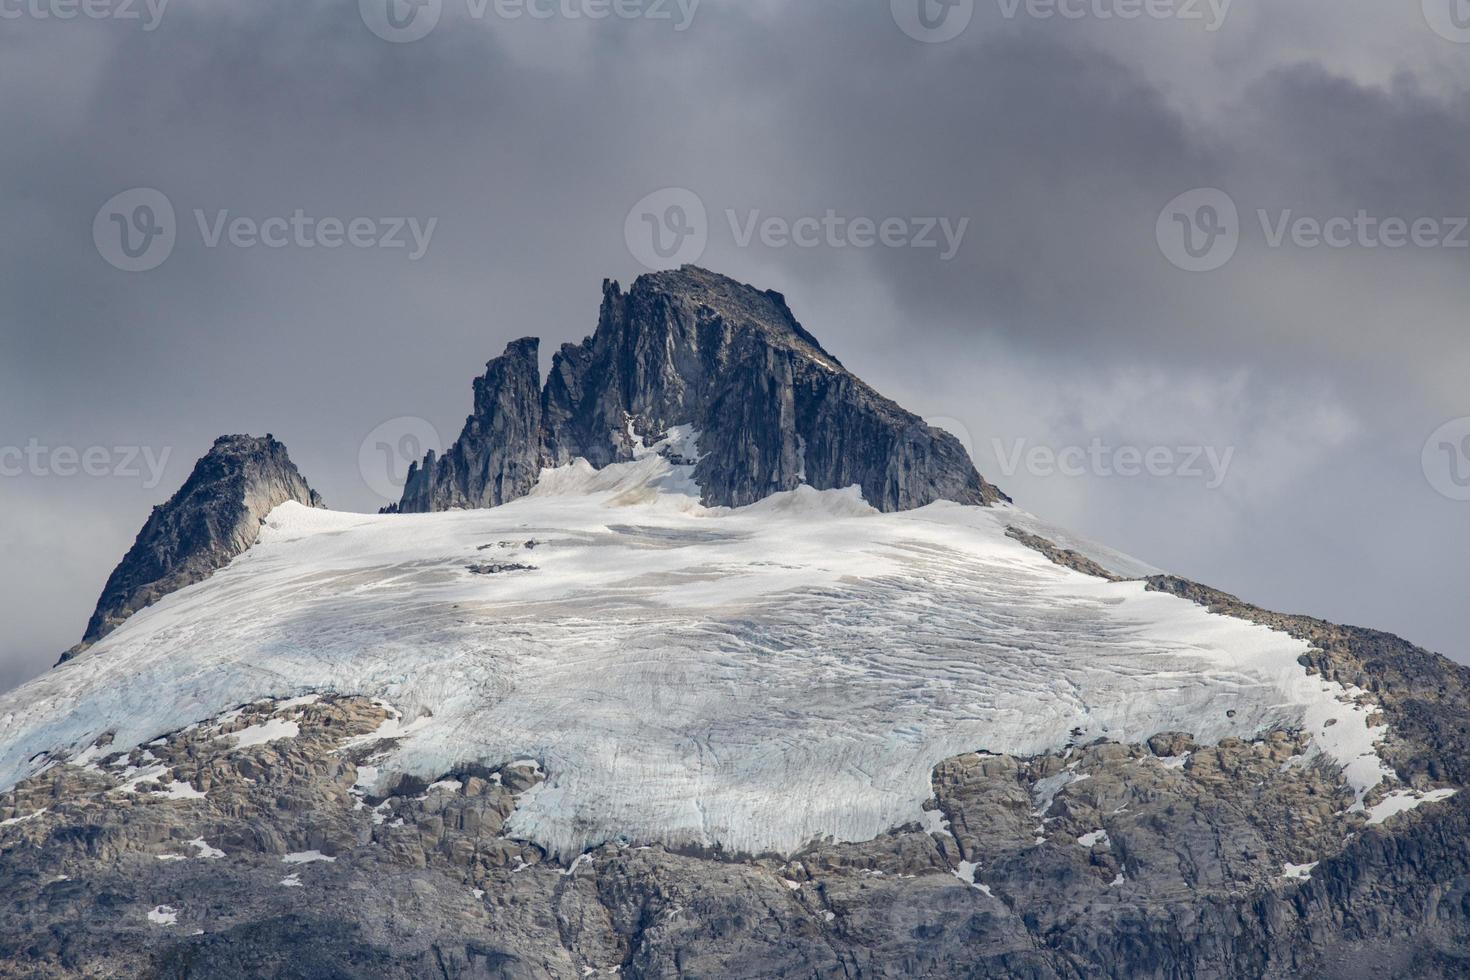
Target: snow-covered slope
[{"x": 748, "y": 678}]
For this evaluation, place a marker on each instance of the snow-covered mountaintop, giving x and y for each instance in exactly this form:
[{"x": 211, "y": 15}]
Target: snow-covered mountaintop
[{"x": 750, "y": 678}]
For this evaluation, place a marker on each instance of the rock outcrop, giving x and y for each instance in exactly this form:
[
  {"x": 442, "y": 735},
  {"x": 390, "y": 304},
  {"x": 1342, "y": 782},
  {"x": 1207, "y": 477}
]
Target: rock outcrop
[
  {"x": 773, "y": 408},
  {"x": 266, "y": 842},
  {"x": 497, "y": 456},
  {"x": 213, "y": 517}
]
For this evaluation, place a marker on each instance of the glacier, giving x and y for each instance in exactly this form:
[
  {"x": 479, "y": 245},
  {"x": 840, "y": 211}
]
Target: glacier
[{"x": 745, "y": 679}]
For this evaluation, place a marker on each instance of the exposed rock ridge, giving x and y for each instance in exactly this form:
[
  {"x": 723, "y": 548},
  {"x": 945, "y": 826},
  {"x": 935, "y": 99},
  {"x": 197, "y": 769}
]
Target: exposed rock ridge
[
  {"x": 774, "y": 409},
  {"x": 497, "y": 456},
  {"x": 212, "y": 518}
]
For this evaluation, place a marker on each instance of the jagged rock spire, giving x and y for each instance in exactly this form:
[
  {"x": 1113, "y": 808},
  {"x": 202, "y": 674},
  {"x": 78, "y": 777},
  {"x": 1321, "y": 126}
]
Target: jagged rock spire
[
  {"x": 689, "y": 347},
  {"x": 213, "y": 517},
  {"x": 497, "y": 456}
]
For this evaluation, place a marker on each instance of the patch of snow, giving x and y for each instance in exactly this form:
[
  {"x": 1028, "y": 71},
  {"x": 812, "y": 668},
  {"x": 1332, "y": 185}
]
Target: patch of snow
[
  {"x": 965, "y": 871},
  {"x": 1118, "y": 880},
  {"x": 391, "y": 727},
  {"x": 1298, "y": 872},
  {"x": 84, "y": 758},
  {"x": 1402, "y": 801},
  {"x": 1095, "y": 838},
  {"x": 179, "y": 789},
  {"x": 29, "y": 816},
  {"x": 267, "y": 731},
  {"x": 935, "y": 822},
  {"x": 205, "y": 851},
  {"x": 172, "y": 857},
  {"x": 751, "y": 678},
  {"x": 301, "y": 702},
  {"x": 576, "y": 863},
  {"x": 132, "y": 776},
  {"x": 1045, "y": 791},
  {"x": 305, "y": 857},
  {"x": 477, "y": 892},
  {"x": 445, "y": 786},
  {"x": 291, "y": 881},
  {"x": 1174, "y": 761},
  {"x": 163, "y": 915}
]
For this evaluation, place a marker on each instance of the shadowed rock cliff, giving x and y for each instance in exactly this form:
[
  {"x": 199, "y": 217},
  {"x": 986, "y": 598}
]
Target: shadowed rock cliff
[
  {"x": 774, "y": 409},
  {"x": 214, "y": 516},
  {"x": 497, "y": 456}
]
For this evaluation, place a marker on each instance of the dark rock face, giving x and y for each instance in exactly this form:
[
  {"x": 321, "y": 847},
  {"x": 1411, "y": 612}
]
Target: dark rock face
[
  {"x": 497, "y": 456},
  {"x": 214, "y": 516},
  {"x": 773, "y": 408}
]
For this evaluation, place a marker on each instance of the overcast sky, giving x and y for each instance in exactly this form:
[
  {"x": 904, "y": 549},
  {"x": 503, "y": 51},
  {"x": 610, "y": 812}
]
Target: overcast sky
[{"x": 1287, "y": 390}]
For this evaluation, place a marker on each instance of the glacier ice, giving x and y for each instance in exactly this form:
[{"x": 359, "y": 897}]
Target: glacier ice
[{"x": 748, "y": 678}]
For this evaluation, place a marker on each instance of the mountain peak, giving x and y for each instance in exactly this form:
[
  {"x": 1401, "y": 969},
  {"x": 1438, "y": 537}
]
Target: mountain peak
[
  {"x": 212, "y": 518},
  {"x": 774, "y": 409},
  {"x": 764, "y": 310}
]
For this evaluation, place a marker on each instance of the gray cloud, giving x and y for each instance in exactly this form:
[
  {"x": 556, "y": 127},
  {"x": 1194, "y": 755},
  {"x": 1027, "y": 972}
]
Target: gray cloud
[{"x": 1058, "y": 322}]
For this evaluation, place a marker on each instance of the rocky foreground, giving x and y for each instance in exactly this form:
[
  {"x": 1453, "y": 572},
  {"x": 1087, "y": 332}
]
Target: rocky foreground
[{"x": 250, "y": 846}]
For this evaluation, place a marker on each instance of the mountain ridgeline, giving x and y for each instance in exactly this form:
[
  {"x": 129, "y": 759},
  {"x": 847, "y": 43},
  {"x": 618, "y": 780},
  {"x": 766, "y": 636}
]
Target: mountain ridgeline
[{"x": 773, "y": 408}]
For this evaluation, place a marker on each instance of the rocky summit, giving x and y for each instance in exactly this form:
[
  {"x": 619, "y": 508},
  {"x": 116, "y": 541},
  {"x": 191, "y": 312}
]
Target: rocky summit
[
  {"x": 214, "y": 516},
  {"x": 702, "y": 659},
  {"x": 772, "y": 408}
]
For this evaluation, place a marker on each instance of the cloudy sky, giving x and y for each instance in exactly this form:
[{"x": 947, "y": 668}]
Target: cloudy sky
[{"x": 1127, "y": 273}]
